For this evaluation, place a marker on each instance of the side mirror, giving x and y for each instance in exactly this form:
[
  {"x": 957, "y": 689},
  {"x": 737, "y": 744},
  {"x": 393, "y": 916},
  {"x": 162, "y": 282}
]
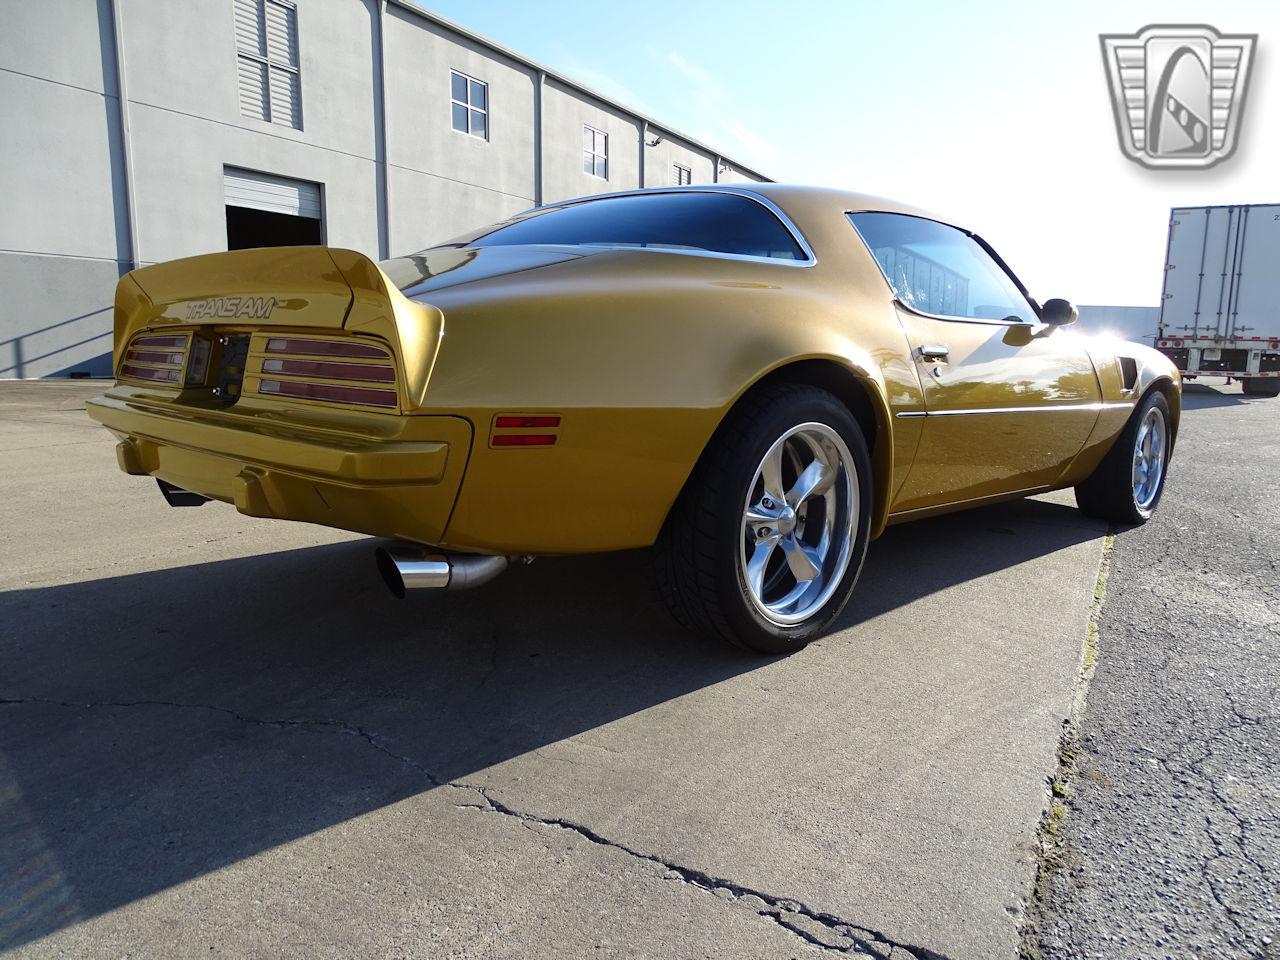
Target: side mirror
[{"x": 1058, "y": 312}]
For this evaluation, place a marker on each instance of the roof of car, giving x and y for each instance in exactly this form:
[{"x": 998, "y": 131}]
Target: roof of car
[{"x": 791, "y": 197}]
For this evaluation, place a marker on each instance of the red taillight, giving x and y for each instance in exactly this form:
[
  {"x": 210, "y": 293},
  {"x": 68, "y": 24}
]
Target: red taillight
[
  {"x": 147, "y": 356},
  {"x": 332, "y": 371},
  {"x": 324, "y": 348},
  {"x": 524, "y": 439},
  {"x": 160, "y": 375},
  {"x": 155, "y": 358},
  {"x": 303, "y": 363},
  {"x": 366, "y": 396},
  {"x": 1177, "y": 343},
  {"x": 509, "y": 422}
]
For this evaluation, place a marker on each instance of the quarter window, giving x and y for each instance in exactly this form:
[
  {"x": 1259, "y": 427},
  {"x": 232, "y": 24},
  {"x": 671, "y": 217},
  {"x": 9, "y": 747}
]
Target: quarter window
[
  {"x": 681, "y": 175},
  {"x": 469, "y": 104},
  {"x": 939, "y": 269},
  {"x": 595, "y": 152},
  {"x": 267, "y": 71}
]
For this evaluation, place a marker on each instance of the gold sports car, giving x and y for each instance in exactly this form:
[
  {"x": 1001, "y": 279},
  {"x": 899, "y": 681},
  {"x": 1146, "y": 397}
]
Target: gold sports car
[{"x": 754, "y": 381}]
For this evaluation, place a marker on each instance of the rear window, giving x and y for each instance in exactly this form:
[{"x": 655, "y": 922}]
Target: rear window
[{"x": 714, "y": 222}]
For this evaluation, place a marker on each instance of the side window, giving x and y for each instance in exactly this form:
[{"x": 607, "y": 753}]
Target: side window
[
  {"x": 595, "y": 152},
  {"x": 469, "y": 104},
  {"x": 938, "y": 269}
]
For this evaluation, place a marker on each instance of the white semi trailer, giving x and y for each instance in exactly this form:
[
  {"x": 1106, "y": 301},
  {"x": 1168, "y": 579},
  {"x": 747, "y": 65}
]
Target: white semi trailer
[{"x": 1220, "y": 312}]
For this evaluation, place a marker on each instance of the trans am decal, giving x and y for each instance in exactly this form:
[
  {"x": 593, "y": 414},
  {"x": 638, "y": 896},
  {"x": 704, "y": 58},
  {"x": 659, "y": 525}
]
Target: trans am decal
[{"x": 231, "y": 308}]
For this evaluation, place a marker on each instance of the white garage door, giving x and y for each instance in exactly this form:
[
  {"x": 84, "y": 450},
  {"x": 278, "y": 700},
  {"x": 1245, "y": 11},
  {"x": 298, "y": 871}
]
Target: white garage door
[{"x": 262, "y": 191}]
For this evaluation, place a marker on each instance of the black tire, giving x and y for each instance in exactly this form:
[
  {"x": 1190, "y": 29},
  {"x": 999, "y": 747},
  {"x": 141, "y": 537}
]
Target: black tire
[
  {"x": 1261, "y": 386},
  {"x": 696, "y": 558},
  {"x": 1108, "y": 493}
]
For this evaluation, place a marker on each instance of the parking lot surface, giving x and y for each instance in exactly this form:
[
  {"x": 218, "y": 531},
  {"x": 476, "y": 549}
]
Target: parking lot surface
[
  {"x": 221, "y": 734},
  {"x": 1171, "y": 839}
]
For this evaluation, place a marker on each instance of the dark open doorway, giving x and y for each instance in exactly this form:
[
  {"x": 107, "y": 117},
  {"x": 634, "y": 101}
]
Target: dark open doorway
[{"x": 247, "y": 227}]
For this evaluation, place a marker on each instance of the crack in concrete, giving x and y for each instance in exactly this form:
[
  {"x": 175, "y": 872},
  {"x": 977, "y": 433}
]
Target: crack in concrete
[
  {"x": 776, "y": 909},
  {"x": 860, "y": 940}
]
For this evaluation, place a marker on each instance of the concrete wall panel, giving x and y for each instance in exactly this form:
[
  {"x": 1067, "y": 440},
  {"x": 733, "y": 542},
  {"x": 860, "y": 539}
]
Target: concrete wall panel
[
  {"x": 182, "y": 57},
  {"x": 179, "y": 162},
  {"x": 420, "y": 130},
  {"x": 426, "y": 210},
  {"x": 56, "y": 170},
  {"x": 57, "y": 315},
  {"x": 660, "y": 161},
  {"x": 59, "y": 40},
  {"x": 564, "y": 112}
]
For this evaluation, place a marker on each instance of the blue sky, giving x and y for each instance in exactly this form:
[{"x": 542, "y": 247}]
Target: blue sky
[{"x": 993, "y": 113}]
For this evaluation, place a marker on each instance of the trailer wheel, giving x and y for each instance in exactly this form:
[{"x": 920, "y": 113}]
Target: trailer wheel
[{"x": 1260, "y": 387}]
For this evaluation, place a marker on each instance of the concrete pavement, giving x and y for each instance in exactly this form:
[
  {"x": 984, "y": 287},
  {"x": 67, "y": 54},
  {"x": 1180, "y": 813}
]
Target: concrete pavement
[{"x": 221, "y": 734}]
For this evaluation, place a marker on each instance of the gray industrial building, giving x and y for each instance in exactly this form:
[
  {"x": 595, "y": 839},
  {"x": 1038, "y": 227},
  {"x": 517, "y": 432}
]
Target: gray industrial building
[{"x": 137, "y": 131}]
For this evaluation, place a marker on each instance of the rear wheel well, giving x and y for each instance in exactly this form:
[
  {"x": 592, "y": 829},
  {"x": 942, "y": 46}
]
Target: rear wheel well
[
  {"x": 856, "y": 394},
  {"x": 838, "y": 380}
]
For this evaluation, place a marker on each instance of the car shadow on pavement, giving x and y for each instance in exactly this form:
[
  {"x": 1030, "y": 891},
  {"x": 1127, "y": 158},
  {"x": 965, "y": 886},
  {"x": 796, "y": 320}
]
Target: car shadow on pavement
[
  {"x": 1199, "y": 396},
  {"x": 157, "y": 726}
]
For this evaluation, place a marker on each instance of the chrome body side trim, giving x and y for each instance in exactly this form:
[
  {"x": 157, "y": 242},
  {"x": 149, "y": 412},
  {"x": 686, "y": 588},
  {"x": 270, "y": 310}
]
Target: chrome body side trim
[{"x": 1047, "y": 408}]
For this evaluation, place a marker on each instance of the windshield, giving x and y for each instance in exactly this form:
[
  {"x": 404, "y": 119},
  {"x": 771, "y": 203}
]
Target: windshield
[{"x": 714, "y": 222}]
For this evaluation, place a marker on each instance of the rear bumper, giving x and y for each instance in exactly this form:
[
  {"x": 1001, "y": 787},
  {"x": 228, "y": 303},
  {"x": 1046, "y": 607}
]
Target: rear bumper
[{"x": 386, "y": 476}]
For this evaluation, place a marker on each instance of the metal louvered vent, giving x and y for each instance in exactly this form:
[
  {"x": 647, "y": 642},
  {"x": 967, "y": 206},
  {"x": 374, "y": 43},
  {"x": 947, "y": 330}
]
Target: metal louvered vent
[{"x": 267, "y": 61}]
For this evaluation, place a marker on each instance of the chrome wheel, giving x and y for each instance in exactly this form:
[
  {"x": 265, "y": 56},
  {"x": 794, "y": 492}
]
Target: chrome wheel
[
  {"x": 798, "y": 523},
  {"x": 1148, "y": 458}
]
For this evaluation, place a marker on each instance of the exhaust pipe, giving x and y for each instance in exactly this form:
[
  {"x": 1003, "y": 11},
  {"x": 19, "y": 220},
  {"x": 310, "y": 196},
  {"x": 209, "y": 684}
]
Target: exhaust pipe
[
  {"x": 177, "y": 497},
  {"x": 406, "y": 566}
]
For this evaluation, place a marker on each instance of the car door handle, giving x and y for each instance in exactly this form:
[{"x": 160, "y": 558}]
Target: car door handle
[{"x": 934, "y": 352}]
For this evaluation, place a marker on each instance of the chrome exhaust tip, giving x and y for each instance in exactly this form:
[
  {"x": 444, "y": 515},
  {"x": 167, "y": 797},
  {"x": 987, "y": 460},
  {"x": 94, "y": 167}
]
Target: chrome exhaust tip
[
  {"x": 406, "y": 566},
  {"x": 177, "y": 497}
]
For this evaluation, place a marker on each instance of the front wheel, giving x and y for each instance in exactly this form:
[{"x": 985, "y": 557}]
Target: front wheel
[
  {"x": 1127, "y": 485},
  {"x": 765, "y": 543}
]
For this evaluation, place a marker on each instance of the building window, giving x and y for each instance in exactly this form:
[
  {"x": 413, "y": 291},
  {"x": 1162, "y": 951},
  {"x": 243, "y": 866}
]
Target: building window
[
  {"x": 267, "y": 61},
  {"x": 595, "y": 152},
  {"x": 469, "y": 101},
  {"x": 681, "y": 174}
]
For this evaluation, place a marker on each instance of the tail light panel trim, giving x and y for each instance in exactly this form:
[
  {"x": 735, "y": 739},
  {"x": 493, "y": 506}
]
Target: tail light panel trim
[
  {"x": 328, "y": 372},
  {"x": 156, "y": 359}
]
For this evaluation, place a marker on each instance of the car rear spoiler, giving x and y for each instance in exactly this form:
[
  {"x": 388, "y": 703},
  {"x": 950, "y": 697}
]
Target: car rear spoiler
[{"x": 317, "y": 288}]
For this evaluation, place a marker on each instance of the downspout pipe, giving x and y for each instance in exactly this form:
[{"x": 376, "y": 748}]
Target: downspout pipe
[
  {"x": 380, "y": 129},
  {"x": 126, "y": 137},
  {"x": 644, "y": 135},
  {"x": 540, "y": 82}
]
